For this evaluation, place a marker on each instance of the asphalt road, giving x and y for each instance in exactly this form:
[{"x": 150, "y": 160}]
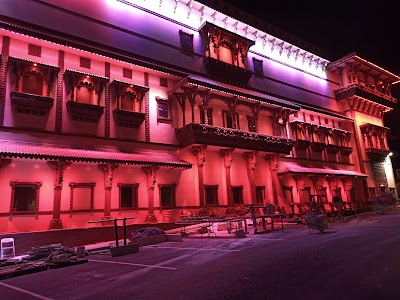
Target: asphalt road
[{"x": 355, "y": 260}]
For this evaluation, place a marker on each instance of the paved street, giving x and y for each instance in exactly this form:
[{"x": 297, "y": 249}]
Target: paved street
[{"x": 356, "y": 260}]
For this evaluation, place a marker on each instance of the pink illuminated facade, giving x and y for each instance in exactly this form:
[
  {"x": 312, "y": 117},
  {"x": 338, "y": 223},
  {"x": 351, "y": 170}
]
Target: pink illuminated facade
[{"x": 158, "y": 109}]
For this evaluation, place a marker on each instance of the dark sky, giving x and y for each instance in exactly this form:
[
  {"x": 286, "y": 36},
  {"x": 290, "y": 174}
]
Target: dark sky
[{"x": 371, "y": 29}]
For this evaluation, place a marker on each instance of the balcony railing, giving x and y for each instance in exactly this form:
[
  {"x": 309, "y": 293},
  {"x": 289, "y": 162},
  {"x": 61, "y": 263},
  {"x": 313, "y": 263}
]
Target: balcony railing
[
  {"x": 377, "y": 155},
  {"x": 31, "y": 104},
  {"x": 130, "y": 119},
  {"x": 364, "y": 92},
  {"x": 225, "y": 137}
]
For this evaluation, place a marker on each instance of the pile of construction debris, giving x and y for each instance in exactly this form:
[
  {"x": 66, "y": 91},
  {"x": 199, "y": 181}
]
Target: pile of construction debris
[{"x": 40, "y": 259}]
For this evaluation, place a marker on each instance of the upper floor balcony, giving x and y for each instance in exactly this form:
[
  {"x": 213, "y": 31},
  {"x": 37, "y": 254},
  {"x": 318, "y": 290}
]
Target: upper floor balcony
[{"x": 195, "y": 133}]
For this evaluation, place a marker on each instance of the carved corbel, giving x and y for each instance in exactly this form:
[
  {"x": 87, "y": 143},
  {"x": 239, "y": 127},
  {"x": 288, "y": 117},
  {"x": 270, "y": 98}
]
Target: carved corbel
[
  {"x": 332, "y": 183},
  {"x": 300, "y": 182},
  {"x": 200, "y": 153},
  {"x": 151, "y": 176},
  {"x": 108, "y": 170},
  {"x": 273, "y": 161},
  {"x": 317, "y": 181},
  {"x": 58, "y": 167},
  {"x": 227, "y": 156},
  {"x": 347, "y": 183},
  {"x": 251, "y": 159}
]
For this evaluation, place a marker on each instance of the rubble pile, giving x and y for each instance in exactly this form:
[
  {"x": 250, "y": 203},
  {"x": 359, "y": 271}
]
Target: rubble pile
[{"x": 39, "y": 259}]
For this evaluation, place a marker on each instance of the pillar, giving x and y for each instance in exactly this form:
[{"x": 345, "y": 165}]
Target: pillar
[
  {"x": 200, "y": 154},
  {"x": 58, "y": 167},
  {"x": 108, "y": 171},
  {"x": 272, "y": 162},
  {"x": 227, "y": 157},
  {"x": 251, "y": 159},
  {"x": 151, "y": 182}
]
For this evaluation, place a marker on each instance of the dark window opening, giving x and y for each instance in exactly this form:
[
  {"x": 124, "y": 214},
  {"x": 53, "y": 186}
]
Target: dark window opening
[
  {"x": 128, "y": 195},
  {"x": 211, "y": 193},
  {"x": 237, "y": 193},
  {"x": 167, "y": 195},
  {"x": 260, "y": 194}
]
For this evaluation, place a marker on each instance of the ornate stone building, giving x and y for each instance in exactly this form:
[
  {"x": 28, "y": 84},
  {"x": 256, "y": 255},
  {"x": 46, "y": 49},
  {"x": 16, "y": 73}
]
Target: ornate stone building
[{"x": 157, "y": 109}]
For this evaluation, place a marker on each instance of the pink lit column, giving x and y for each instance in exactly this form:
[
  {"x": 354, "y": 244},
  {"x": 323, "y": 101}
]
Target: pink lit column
[
  {"x": 200, "y": 153},
  {"x": 251, "y": 159},
  {"x": 272, "y": 177},
  {"x": 108, "y": 171},
  {"x": 227, "y": 156},
  {"x": 58, "y": 167},
  {"x": 151, "y": 182}
]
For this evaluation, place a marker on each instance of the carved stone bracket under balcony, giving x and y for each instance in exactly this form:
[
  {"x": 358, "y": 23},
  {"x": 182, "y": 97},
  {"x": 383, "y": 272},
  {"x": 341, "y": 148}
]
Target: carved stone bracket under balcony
[
  {"x": 227, "y": 73},
  {"x": 345, "y": 150},
  {"x": 318, "y": 146},
  {"x": 225, "y": 137},
  {"x": 377, "y": 155},
  {"x": 332, "y": 149},
  {"x": 302, "y": 144},
  {"x": 31, "y": 104},
  {"x": 129, "y": 119},
  {"x": 85, "y": 112}
]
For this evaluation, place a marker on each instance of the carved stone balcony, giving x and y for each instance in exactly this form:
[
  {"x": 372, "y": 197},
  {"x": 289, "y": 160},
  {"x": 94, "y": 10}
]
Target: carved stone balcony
[
  {"x": 225, "y": 137},
  {"x": 332, "y": 149},
  {"x": 377, "y": 155},
  {"x": 31, "y": 104},
  {"x": 302, "y": 144},
  {"x": 227, "y": 73},
  {"x": 318, "y": 146},
  {"x": 346, "y": 151},
  {"x": 84, "y": 112},
  {"x": 365, "y": 92},
  {"x": 130, "y": 119}
]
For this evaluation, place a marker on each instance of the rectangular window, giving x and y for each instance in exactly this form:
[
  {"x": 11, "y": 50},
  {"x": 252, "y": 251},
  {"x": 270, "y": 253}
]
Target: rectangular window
[
  {"x": 163, "y": 110},
  {"x": 322, "y": 193},
  {"x": 326, "y": 121},
  {"x": 82, "y": 196},
  {"x": 228, "y": 121},
  {"x": 209, "y": 116},
  {"x": 350, "y": 195},
  {"x": 211, "y": 193},
  {"x": 32, "y": 84},
  {"x": 251, "y": 121},
  {"x": 237, "y": 192},
  {"x": 128, "y": 195},
  {"x": 304, "y": 196},
  {"x": 260, "y": 194},
  {"x": 167, "y": 195},
  {"x": 25, "y": 197},
  {"x": 288, "y": 193},
  {"x": 311, "y": 118}
]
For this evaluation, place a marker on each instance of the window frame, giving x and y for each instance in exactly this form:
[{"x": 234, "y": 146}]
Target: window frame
[
  {"x": 209, "y": 115},
  {"x": 225, "y": 115},
  {"x": 168, "y": 103},
  {"x": 173, "y": 195},
  {"x": 215, "y": 194},
  {"x": 74, "y": 185},
  {"x": 251, "y": 123},
  {"x": 240, "y": 188},
  {"x": 258, "y": 188},
  {"x": 135, "y": 195},
  {"x": 14, "y": 185}
]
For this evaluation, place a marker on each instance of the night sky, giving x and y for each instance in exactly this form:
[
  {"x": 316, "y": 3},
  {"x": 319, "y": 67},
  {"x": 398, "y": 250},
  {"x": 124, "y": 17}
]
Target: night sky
[{"x": 340, "y": 27}]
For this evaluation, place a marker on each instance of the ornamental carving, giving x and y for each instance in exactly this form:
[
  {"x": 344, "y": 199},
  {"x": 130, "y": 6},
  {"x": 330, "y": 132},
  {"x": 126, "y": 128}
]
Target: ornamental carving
[
  {"x": 200, "y": 153},
  {"x": 300, "y": 182},
  {"x": 273, "y": 161},
  {"x": 332, "y": 183},
  {"x": 227, "y": 156},
  {"x": 347, "y": 183},
  {"x": 108, "y": 170},
  {"x": 317, "y": 182},
  {"x": 251, "y": 159},
  {"x": 151, "y": 176},
  {"x": 58, "y": 167}
]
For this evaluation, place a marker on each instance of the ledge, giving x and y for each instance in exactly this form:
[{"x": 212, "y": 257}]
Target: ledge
[
  {"x": 84, "y": 112},
  {"x": 31, "y": 104}
]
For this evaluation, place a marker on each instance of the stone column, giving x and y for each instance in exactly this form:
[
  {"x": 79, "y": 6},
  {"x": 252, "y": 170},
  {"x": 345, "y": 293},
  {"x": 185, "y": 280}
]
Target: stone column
[
  {"x": 58, "y": 167},
  {"x": 200, "y": 153},
  {"x": 300, "y": 184},
  {"x": 108, "y": 171},
  {"x": 251, "y": 159},
  {"x": 273, "y": 160},
  {"x": 227, "y": 156},
  {"x": 151, "y": 182}
]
